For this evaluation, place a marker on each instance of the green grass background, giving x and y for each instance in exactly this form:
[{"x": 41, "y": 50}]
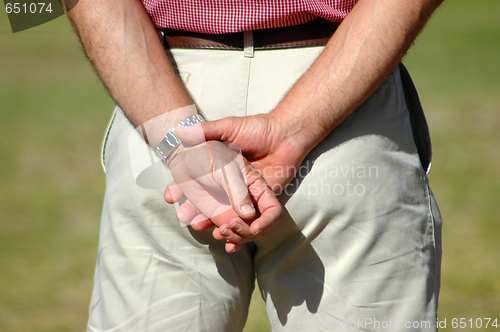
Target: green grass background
[{"x": 53, "y": 113}]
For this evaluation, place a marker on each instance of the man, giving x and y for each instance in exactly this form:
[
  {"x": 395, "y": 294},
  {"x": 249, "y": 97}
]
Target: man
[{"x": 332, "y": 129}]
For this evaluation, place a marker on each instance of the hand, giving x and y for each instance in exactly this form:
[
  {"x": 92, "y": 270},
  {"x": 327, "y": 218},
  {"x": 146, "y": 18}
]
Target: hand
[
  {"x": 275, "y": 154},
  {"x": 222, "y": 188}
]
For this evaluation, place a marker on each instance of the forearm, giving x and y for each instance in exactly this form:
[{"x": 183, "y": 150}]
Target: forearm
[
  {"x": 124, "y": 48},
  {"x": 366, "y": 47}
]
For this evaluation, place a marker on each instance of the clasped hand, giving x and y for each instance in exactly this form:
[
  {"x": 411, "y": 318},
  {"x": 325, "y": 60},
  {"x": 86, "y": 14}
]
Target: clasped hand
[
  {"x": 218, "y": 181},
  {"x": 222, "y": 189}
]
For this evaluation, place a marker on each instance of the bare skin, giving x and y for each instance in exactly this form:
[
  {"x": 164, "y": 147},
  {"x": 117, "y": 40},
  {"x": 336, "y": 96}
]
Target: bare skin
[
  {"x": 124, "y": 48},
  {"x": 122, "y": 44},
  {"x": 364, "y": 50}
]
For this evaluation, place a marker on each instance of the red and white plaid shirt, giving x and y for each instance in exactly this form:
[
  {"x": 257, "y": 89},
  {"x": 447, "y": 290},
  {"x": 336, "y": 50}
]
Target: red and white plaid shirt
[{"x": 225, "y": 16}]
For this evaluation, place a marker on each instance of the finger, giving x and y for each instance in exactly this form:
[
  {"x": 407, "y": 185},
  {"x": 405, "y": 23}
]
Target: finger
[
  {"x": 187, "y": 212},
  {"x": 191, "y": 134},
  {"x": 216, "y": 234},
  {"x": 222, "y": 129},
  {"x": 271, "y": 211},
  {"x": 226, "y": 233},
  {"x": 237, "y": 190},
  {"x": 231, "y": 220},
  {"x": 232, "y": 247},
  {"x": 173, "y": 193},
  {"x": 211, "y": 130},
  {"x": 201, "y": 223}
]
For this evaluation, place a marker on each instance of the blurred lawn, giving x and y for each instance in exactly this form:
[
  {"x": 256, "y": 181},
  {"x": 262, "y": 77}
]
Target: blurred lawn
[{"x": 53, "y": 113}]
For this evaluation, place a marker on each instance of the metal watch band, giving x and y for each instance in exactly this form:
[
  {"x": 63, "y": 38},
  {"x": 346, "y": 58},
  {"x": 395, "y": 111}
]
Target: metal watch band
[{"x": 170, "y": 141}]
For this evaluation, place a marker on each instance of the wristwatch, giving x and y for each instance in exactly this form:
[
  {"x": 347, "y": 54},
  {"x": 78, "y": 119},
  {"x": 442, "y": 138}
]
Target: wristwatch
[{"x": 170, "y": 141}]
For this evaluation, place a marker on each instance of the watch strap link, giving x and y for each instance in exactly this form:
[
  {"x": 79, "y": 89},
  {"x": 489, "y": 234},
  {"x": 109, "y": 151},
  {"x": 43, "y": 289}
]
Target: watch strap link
[{"x": 170, "y": 141}]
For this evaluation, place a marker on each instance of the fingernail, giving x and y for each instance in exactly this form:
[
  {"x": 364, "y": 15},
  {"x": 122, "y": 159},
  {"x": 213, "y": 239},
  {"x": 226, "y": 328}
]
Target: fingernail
[
  {"x": 236, "y": 227},
  {"x": 247, "y": 209},
  {"x": 230, "y": 248},
  {"x": 256, "y": 233},
  {"x": 226, "y": 232}
]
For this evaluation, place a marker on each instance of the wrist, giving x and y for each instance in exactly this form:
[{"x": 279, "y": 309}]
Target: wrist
[
  {"x": 170, "y": 142},
  {"x": 155, "y": 129},
  {"x": 296, "y": 130},
  {"x": 169, "y": 161}
]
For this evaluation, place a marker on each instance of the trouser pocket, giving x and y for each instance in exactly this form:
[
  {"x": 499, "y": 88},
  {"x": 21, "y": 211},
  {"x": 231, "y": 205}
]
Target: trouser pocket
[{"x": 105, "y": 140}]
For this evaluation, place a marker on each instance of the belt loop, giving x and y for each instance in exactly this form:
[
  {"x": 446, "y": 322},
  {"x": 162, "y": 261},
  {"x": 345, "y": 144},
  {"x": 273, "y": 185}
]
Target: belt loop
[{"x": 248, "y": 49}]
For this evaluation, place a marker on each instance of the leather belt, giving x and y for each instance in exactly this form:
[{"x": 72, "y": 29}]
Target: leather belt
[{"x": 313, "y": 33}]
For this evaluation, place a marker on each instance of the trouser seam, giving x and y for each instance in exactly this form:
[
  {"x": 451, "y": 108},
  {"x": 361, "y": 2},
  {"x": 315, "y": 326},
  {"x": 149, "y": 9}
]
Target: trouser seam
[
  {"x": 247, "y": 84},
  {"x": 435, "y": 252}
]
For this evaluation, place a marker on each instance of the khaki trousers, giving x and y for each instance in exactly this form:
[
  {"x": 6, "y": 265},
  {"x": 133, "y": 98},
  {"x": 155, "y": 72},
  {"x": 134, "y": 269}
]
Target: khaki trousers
[{"x": 358, "y": 248}]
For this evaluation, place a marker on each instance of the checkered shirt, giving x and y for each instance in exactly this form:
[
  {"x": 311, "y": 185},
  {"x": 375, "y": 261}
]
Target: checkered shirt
[{"x": 225, "y": 16}]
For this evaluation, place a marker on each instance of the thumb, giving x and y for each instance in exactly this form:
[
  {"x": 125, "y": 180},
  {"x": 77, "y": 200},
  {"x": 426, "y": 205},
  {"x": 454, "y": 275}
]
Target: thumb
[
  {"x": 206, "y": 131},
  {"x": 190, "y": 135}
]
